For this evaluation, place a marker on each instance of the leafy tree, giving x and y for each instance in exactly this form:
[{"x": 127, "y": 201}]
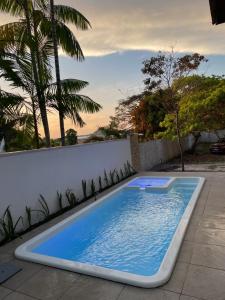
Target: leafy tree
[
  {"x": 16, "y": 125},
  {"x": 71, "y": 137},
  {"x": 201, "y": 107},
  {"x": 113, "y": 129},
  {"x": 161, "y": 73},
  {"x": 148, "y": 114}
]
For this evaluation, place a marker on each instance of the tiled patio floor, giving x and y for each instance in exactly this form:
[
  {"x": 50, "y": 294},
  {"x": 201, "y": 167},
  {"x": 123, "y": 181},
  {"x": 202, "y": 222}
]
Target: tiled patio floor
[{"x": 199, "y": 272}]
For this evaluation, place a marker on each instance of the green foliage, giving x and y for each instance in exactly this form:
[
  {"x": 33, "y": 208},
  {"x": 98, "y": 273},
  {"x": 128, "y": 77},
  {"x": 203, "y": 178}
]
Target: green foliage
[
  {"x": 71, "y": 137},
  {"x": 93, "y": 188},
  {"x": 121, "y": 174},
  {"x": 112, "y": 175},
  {"x": 8, "y": 227},
  {"x": 60, "y": 200},
  {"x": 106, "y": 179},
  {"x": 71, "y": 198},
  {"x": 45, "y": 209},
  {"x": 84, "y": 188},
  {"x": 117, "y": 176},
  {"x": 100, "y": 183},
  {"x": 201, "y": 106},
  {"x": 29, "y": 216}
]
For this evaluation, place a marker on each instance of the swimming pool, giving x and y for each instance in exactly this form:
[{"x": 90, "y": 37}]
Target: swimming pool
[{"x": 132, "y": 235}]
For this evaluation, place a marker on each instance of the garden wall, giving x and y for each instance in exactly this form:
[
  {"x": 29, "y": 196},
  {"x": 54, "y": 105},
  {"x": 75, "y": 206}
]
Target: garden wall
[
  {"x": 25, "y": 175},
  {"x": 210, "y": 137},
  {"x": 156, "y": 152}
]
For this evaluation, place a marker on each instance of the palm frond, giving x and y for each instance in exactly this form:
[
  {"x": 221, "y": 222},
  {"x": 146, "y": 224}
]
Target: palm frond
[
  {"x": 68, "y": 86},
  {"x": 68, "y": 14},
  {"x": 13, "y": 7},
  {"x": 66, "y": 39}
]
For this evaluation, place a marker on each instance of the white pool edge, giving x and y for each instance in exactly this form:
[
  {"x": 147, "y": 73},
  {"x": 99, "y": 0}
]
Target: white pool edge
[{"x": 161, "y": 277}]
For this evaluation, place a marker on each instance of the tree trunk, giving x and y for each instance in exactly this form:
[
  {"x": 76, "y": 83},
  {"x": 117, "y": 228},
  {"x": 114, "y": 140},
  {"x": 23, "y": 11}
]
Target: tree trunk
[
  {"x": 196, "y": 138},
  {"x": 179, "y": 142},
  {"x": 36, "y": 134},
  {"x": 41, "y": 100},
  {"x": 57, "y": 73}
]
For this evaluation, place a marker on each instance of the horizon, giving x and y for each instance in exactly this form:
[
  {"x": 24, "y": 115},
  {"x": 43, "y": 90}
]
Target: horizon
[{"x": 122, "y": 36}]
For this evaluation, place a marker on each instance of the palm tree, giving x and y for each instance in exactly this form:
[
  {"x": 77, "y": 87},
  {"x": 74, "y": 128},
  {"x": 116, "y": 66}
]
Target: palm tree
[
  {"x": 57, "y": 73},
  {"x": 18, "y": 72},
  {"x": 51, "y": 25},
  {"x": 20, "y": 33},
  {"x": 82, "y": 23}
]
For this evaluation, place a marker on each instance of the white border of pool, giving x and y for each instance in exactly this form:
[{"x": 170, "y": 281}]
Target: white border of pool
[{"x": 161, "y": 277}]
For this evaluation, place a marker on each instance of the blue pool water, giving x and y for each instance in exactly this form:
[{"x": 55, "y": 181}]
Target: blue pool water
[
  {"x": 148, "y": 182},
  {"x": 130, "y": 231}
]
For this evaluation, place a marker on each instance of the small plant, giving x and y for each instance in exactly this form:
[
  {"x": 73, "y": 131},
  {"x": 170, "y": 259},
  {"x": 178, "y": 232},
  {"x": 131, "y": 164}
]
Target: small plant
[
  {"x": 8, "y": 229},
  {"x": 117, "y": 176},
  {"x": 126, "y": 172},
  {"x": 45, "y": 209},
  {"x": 93, "y": 189},
  {"x": 106, "y": 179},
  {"x": 100, "y": 184},
  {"x": 84, "y": 188},
  {"x": 121, "y": 174},
  {"x": 60, "y": 200},
  {"x": 111, "y": 175},
  {"x": 29, "y": 216},
  {"x": 131, "y": 170},
  {"x": 71, "y": 198}
]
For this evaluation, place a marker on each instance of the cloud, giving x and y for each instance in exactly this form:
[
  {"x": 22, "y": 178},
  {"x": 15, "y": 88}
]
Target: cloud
[{"x": 149, "y": 25}]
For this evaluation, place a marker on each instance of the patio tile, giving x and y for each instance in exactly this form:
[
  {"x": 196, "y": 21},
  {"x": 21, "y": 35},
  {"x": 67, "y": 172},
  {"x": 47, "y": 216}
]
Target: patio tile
[
  {"x": 5, "y": 257},
  {"x": 186, "y": 252},
  {"x": 213, "y": 222},
  {"x": 210, "y": 236},
  {"x": 214, "y": 210},
  {"x": 4, "y": 292},
  {"x": 190, "y": 233},
  {"x": 90, "y": 288},
  {"x": 175, "y": 284},
  {"x": 183, "y": 297},
  {"x": 28, "y": 270},
  {"x": 48, "y": 283},
  {"x": 18, "y": 296},
  {"x": 132, "y": 293},
  {"x": 205, "y": 283},
  {"x": 209, "y": 256}
]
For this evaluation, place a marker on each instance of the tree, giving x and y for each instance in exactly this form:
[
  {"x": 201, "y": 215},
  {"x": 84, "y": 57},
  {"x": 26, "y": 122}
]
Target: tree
[
  {"x": 16, "y": 124},
  {"x": 30, "y": 31},
  {"x": 21, "y": 35},
  {"x": 161, "y": 72},
  {"x": 71, "y": 137},
  {"x": 80, "y": 22},
  {"x": 201, "y": 107}
]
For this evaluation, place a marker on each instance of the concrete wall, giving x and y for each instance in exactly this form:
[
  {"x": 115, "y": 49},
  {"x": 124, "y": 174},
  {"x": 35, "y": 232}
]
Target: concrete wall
[
  {"x": 156, "y": 152},
  {"x": 210, "y": 137},
  {"x": 25, "y": 175}
]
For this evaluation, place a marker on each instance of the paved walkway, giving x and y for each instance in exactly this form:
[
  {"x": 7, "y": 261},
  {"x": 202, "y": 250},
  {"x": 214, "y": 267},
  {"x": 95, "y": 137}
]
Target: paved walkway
[{"x": 198, "y": 274}]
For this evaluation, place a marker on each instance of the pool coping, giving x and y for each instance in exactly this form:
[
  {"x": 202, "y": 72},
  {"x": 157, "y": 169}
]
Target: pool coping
[{"x": 161, "y": 277}]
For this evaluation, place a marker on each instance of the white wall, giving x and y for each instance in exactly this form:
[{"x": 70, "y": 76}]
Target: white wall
[
  {"x": 25, "y": 175},
  {"x": 156, "y": 152},
  {"x": 210, "y": 137}
]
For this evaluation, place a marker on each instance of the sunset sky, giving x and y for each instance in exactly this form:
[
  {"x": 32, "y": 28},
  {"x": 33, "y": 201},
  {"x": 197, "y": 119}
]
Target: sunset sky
[{"x": 125, "y": 33}]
